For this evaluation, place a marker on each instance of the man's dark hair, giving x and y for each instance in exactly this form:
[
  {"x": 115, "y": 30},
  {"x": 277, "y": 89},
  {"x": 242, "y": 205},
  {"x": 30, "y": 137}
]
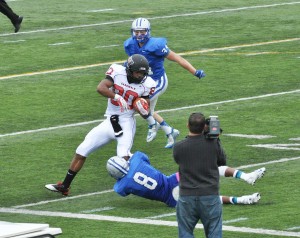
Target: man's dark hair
[{"x": 196, "y": 122}]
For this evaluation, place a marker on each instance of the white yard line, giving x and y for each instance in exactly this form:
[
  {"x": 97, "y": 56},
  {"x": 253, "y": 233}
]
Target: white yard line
[
  {"x": 13, "y": 41},
  {"x": 143, "y": 221},
  {"x": 122, "y": 61},
  {"x": 101, "y": 209},
  {"x": 60, "y": 43},
  {"x": 259, "y": 137},
  {"x": 233, "y": 100},
  {"x": 166, "y": 110},
  {"x": 101, "y": 10},
  {"x": 269, "y": 162},
  {"x": 235, "y": 220},
  {"x": 162, "y": 215},
  {"x": 63, "y": 199},
  {"x": 160, "y": 17},
  {"x": 240, "y": 46},
  {"x": 50, "y": 128},
  {"x": 278, "y": 146}
]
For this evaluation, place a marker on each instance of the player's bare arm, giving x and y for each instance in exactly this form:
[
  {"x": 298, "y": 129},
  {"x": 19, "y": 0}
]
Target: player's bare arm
[
  {"x": 181, "y": 61},
  {"x": 104, "y": 88}
]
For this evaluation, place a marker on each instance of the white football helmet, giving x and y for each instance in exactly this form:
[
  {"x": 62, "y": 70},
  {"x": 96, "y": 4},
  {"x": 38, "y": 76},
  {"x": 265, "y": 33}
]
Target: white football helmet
[
  {"x": 140, "y": 24},
  {"x": 117, "y": 167}
]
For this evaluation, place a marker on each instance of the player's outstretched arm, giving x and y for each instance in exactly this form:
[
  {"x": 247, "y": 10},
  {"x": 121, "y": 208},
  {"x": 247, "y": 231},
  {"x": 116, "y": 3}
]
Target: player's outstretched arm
[{"x": 185, "y": 64}]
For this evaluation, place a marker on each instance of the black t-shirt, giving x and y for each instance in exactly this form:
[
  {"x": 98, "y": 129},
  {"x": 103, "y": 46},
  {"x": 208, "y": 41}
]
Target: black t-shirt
[{"x": 198, "y": 159}]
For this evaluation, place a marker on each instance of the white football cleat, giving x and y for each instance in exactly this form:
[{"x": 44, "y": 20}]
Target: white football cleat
[
  {"x": 172, "y": 138},
  {"x": 249, "y": 199},
  {"x": 59, "y": 188},
  {"x": 152, "y": 132},
  {"x": 257, "y": 174}
]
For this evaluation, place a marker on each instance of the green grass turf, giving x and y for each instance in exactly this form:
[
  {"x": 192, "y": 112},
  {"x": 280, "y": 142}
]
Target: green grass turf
[{"x": 246, "y": 69}]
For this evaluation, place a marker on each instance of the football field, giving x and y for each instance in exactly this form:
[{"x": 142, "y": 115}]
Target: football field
[{"x": 49, "y": 71}]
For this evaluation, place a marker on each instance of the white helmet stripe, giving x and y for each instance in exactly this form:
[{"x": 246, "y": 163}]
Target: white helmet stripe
[
  {"x": 117, "y": 166},
  {"x": 139, "y": 22}
]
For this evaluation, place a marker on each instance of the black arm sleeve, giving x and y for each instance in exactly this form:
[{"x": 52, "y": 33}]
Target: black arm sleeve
[{"x": 109, "y": 78}]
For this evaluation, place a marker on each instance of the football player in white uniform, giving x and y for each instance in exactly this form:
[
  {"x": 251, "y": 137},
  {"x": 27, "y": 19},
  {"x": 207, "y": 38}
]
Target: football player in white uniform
[{"x": 122, "y": 85}]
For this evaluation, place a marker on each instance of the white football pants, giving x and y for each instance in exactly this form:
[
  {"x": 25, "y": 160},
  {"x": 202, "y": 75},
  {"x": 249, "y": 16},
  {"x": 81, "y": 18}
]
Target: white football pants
[
  {"x": 161, "y": 87},
  {"x": 104, "y": 133}
]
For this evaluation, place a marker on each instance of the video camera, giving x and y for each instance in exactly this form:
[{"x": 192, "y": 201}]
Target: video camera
[{"x": 213, "y": 129}]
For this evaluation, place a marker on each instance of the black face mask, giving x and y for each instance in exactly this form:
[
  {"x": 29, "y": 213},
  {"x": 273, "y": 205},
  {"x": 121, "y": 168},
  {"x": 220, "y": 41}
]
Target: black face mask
[{"x": 132, "y": 79}]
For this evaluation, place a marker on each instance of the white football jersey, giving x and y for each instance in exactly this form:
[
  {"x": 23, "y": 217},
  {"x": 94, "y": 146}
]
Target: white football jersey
[{"x": 129, "y": 91}]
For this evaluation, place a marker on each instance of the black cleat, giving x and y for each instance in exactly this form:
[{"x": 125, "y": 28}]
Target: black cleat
[{"x": 17, "y": 25}]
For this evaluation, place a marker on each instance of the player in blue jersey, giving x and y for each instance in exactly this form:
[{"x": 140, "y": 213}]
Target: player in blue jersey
[
  {"x": 137, "y": 176},
  {"x": 156, "y": 50}
]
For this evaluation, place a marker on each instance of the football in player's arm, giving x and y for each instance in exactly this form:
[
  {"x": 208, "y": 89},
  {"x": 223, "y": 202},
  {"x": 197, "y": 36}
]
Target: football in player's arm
[{"x": 121, "y": 86}]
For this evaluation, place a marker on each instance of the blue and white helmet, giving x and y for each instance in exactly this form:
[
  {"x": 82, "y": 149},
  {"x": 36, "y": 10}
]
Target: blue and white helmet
[
  {"x": 117, "y": 167},
  {"x": 141, "y": 24}
]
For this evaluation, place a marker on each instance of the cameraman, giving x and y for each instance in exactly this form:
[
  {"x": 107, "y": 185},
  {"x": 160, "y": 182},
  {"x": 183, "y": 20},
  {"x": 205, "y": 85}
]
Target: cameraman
[{"x": 198, "y": 157}]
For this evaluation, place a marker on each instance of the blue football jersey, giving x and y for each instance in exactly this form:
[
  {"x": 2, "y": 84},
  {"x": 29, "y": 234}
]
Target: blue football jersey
[
  {"x": 145, "y": 181},
  {"x": 155, "y": 50}
]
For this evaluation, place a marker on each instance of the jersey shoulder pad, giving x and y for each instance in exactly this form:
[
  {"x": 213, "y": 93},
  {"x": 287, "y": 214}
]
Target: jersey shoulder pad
[
  {"x": 115, "y": 69},
  {"x": 149, "y": 82},
  {"x": 155, "y": 44},
  {"x": 128, "y": 42},
  {"x": 140, "y": 156}
]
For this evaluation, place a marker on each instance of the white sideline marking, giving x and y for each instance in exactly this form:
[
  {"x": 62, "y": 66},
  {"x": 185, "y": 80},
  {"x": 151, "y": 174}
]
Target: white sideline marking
[
  {"x": 111, "y": 190},
  {"x": 269, "y": 162},
  {"x": 61, "y": 43},
  {"x": 258, "y": 53},
  {"x": 277, "y": 146},
  {"x": 122, "y": 61},
  {"x": 295, "y": 138},
  {"x": 174, "y": 214},
  {"x": 98, "y": 209},
  {"x": 166, "y": 110},
  {"x": 250, "y": 136},
  {"x": 105, "y": 46},
  {"x": 238, "y": 46},
  {"x": 101, "y": 10},
  {"x": 228, "y": 101},
  {"x": 162, "y": 215},
  {"x": 51, "y": 128},
  {"x": 63, "y": 199},
  {"x": 235, "y": 220},
  {"x": 294, "y": 228},
  {"x": 154, "y": 18},
  {"x": 13, "y": 41},
  {"x": 142, "y": 221}
]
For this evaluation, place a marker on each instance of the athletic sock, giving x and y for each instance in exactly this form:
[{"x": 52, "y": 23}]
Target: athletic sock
[
  {"x": 150, "y": 119},
  {"x": 237, "y": 174},
  {"x": 69, "y": 178},
  {"x": 165, "y": 127},
  {"x": 233, "y": 200}
]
